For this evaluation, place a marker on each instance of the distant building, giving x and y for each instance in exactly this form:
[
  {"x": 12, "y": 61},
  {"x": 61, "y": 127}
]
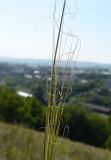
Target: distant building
[
  {"x": 106, "y": 72},
  {"x": 84, "y": 81},
  {"x": 36, "y": 72},
  {"x": 37, "y": 76},
  {"x": 28, "y": 76},
  {"x": 97, "y": 108},
  {"x": 24, "y": 94}
]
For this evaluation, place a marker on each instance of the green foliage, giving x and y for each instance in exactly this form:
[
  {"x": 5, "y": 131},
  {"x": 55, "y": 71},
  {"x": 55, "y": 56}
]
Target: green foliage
[
  {"x": 39, "y": 93},
  {"x": 108, "y": 143},
  {"x": 78, "y": 88},
  {"x": 16, "y": 109},
  {"x": 94, "y": 98},
  {"x": 85, "y": 126}
]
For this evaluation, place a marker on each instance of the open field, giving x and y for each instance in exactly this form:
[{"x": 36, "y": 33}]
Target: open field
[{"x": 18, "y": 143}]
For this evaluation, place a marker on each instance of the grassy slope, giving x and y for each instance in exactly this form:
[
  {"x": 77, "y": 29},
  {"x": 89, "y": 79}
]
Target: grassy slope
[{"x": 17, "y": 143}]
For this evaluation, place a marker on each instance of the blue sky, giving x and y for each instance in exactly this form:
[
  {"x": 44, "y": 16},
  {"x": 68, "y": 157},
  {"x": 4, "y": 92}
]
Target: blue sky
[{"x": 26, "y": 28}]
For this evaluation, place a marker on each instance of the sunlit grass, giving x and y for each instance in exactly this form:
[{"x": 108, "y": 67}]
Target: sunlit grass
[{"x": 18, "y": 143}]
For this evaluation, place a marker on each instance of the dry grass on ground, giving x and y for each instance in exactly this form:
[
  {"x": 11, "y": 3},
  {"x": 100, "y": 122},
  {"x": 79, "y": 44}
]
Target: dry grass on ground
[{"x": 17, "y": 143}]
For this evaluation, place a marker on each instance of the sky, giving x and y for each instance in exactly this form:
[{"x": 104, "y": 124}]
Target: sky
[{"x": 26, "y": 28}]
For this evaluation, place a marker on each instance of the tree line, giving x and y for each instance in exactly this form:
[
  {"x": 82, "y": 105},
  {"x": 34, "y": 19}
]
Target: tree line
[{"x": 84, "y": 126}]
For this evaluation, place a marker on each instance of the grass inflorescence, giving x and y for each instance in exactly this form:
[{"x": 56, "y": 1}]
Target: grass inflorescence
[
  {"x": 54, "y": 111},
  {"x": 56, "y": 96}
]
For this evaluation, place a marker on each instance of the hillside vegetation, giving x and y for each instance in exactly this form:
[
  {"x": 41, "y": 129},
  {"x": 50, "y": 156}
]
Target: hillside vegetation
[
  {"x": 19, "y": 143},
  {"x": 84, "y": 126}
]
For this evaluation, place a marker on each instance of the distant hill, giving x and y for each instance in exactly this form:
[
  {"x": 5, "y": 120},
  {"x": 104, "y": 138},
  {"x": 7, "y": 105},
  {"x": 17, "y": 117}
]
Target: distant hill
[
  {"x": 19, "y": 143},
  {"x": 41, "y": 62}
]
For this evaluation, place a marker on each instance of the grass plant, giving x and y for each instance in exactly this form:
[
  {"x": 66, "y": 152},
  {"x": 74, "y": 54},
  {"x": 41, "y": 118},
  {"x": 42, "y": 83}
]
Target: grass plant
[
  {"x": 54, "y": 111},
  {"x": 55, "y": 104}
]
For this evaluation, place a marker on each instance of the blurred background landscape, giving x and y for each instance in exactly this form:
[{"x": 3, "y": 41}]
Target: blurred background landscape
[
  {"x": 23, "y": 102},
  {"x": 26, "y": 36}
]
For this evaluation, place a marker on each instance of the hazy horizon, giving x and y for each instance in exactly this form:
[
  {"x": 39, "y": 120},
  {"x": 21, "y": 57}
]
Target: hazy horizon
[
  {"x": 26, "y": 28},
  {"x": 31, "y": 59}
]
